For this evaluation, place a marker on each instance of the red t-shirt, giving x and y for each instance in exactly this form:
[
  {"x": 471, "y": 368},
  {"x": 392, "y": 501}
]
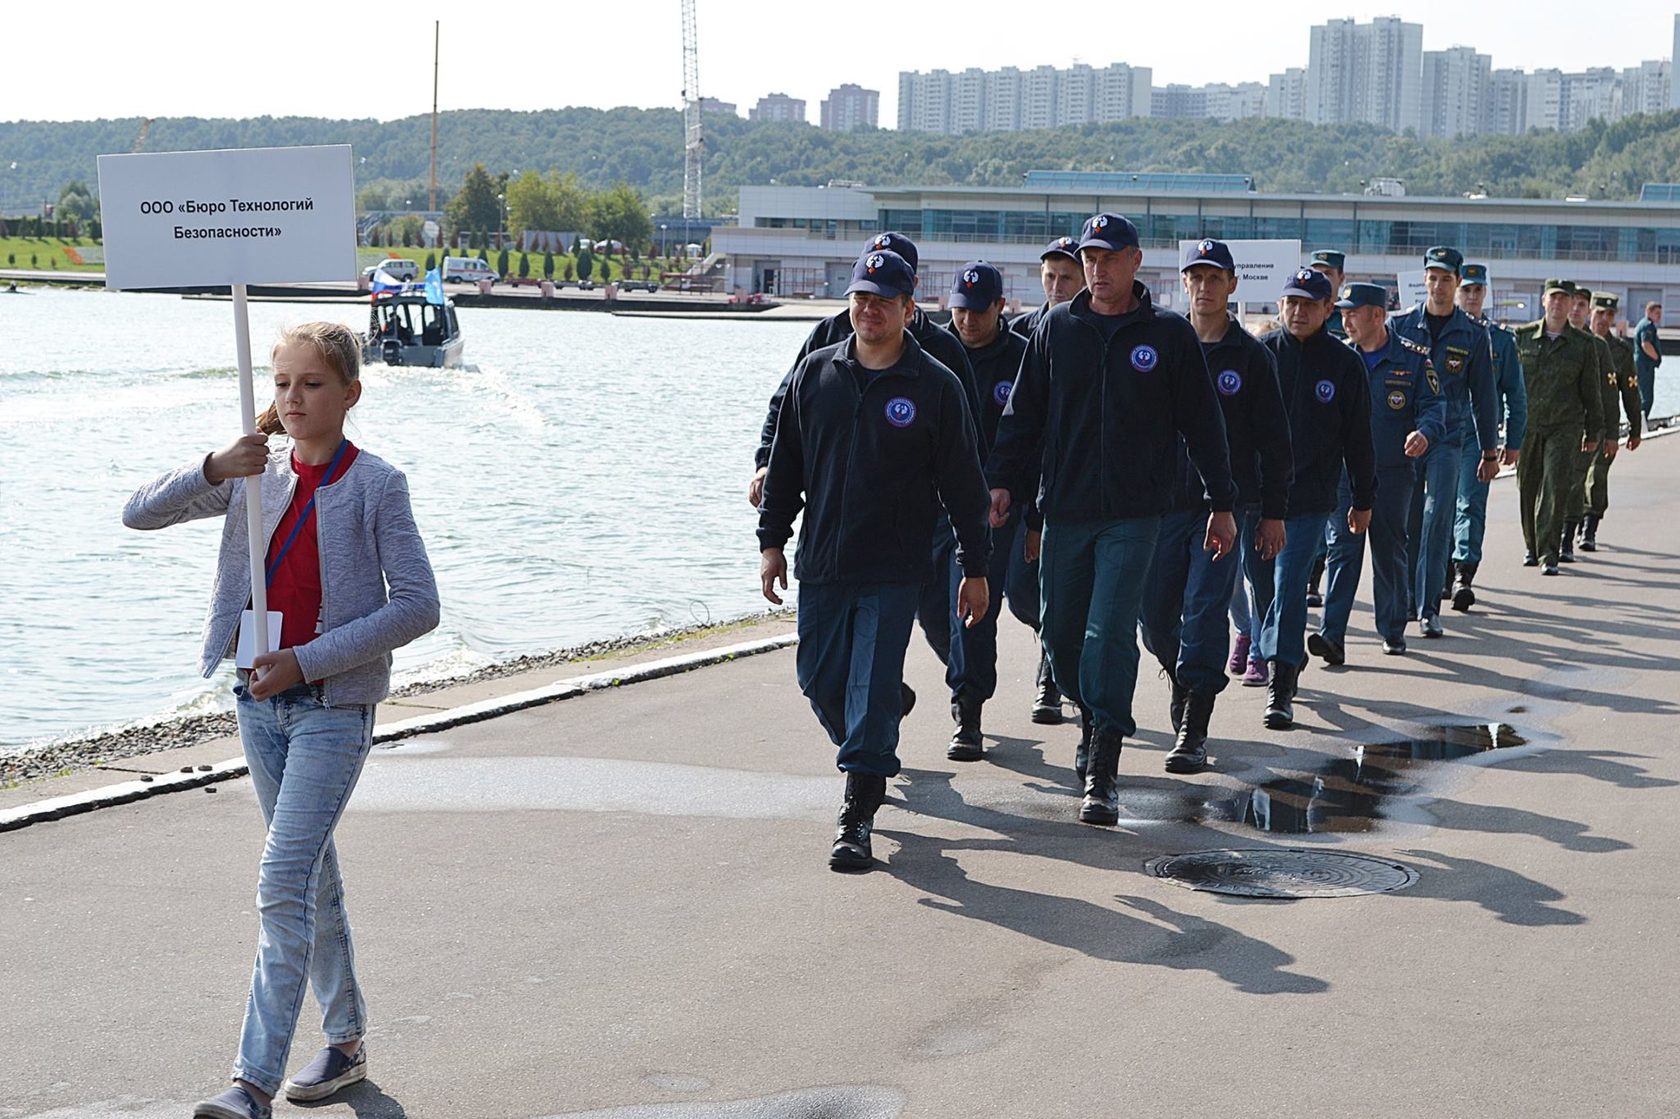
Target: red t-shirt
[{"x": 295, "y": 587}]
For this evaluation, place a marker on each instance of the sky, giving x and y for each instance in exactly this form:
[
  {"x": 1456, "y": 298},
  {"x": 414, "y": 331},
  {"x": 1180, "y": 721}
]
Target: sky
[{"x": 309, "y": 58}]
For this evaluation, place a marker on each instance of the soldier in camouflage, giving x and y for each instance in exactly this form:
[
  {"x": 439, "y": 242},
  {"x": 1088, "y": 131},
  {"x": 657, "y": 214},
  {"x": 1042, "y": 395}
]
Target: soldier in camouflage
[
  {"x": 1622, "y": 387},
  {"x": 1575, "y": 508},
  {"x": 1565, "y": 418}
]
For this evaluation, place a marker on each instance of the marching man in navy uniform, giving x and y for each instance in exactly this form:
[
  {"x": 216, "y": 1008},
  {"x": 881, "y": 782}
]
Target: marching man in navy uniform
[
  {"x": 1061, "y": 277},
  {"x": 1471, "y": 523},
  {"x": 1463, "y": 357},
  {"x": 935, "y": 608},
  {"x": 1408, "y": 414},
  {"x": 1329, "y": 404},
  {"x": 1106, "y": 389},
  {"x": 1186, "y": 601},
  {"x": 873, "y": 438},
  {"x": 994, "y": 353}
]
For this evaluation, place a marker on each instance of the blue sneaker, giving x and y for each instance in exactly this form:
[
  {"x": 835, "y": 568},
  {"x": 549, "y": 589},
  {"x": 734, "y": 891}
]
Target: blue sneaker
[
  {"x": 326, "y": 1074},
  {"x": 235, "y": 1103}
]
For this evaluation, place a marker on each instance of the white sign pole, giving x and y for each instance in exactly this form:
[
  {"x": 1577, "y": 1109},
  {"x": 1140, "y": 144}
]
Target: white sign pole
[{"x": 253, "y": 484}]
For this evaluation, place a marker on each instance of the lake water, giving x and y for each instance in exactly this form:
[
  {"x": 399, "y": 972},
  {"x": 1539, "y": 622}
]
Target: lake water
[{"x": 587, "y": 481}]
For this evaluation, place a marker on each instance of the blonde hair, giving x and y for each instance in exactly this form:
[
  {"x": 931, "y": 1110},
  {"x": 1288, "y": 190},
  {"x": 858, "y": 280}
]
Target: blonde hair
[{"x": 334, "y": 343}]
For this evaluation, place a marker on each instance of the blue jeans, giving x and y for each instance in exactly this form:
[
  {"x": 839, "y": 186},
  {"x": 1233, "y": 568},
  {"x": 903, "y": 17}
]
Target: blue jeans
[
  {"x": 1091, "y": 576},
  {"x": 1388, "y": 557},
  {"x": 850, "y": 665},
  {"x": 305, "y": 759},
  {"x": 1280, "y": 591},
  {"x": 936, "y": 598},
  {"x": 1471, "y": 523},
  {"x": 1186, "y": 603},
  {"x": 1429, "y": 527}
]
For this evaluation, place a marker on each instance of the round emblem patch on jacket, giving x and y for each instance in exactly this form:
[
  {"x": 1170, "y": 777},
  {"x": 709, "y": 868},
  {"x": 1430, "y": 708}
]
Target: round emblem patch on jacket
[
  {"x": 1325, "y": 391},
  {"x": 1397, "y": 399},
  {"x": 901, "y": 411},
  {"x": 1229, "y": 382},
  {"x": 1001, "y": 391},
  {"x": 1144, "y": 358}
]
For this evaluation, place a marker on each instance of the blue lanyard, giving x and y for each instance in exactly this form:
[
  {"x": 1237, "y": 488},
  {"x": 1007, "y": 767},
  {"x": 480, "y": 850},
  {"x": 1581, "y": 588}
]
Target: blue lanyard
[{"x": 309, "y": 508}]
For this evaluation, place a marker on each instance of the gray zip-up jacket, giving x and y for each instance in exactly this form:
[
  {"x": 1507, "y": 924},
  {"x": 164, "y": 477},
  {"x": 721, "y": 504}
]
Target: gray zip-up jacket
[{"x": 368, "y": 540}]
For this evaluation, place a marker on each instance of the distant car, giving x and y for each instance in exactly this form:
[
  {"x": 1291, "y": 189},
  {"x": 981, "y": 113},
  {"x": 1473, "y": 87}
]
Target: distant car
[
  {"x": 397, "y": 267},
  {"x": 637, "y": 285},
  {"x": 467, "y": 270}
]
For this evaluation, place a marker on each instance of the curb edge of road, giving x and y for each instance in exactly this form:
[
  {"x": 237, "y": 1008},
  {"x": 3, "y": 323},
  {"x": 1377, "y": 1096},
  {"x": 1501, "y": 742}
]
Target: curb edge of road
[{"x": 127, "y": 792}]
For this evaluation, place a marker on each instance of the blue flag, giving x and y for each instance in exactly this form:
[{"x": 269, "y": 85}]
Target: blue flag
[{"x": 434, "y": 287}]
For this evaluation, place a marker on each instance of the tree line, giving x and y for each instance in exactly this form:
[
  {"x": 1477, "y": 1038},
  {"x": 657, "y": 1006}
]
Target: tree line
[{"x": 641, "y": 149}]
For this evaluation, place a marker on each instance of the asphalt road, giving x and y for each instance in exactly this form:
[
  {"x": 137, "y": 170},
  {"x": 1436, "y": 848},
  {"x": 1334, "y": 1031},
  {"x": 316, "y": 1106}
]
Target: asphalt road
[{"x": 619, "y": 905}]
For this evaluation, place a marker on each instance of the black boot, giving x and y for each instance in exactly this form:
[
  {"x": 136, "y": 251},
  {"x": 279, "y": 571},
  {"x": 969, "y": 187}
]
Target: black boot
[
  {"x": 1313, "y": 597},
  {"x": 1102, "y": 780},
  {"x": 864, "y": 794},
  {"x": 1566, "y": 551},
  {"x": 1047, "y": 707},
  {"x": 1463, "y": 597},
  {"x": 966, "y": 743},
  {"x": 1082, "y": 753},
  {"x": 1589, "y": 533},
  {"x": 1280, "y": 696},
  {"x": 1189, "y": 752},
  {"x": 1175, "y": 707}
]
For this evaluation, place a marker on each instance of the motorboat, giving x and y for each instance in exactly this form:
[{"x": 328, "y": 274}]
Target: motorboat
[{"x": 409, "y": 328}]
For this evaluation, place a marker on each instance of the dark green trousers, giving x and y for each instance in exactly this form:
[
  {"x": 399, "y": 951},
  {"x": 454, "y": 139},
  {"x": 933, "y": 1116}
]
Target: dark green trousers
[{"x": 1548, "y": 473}]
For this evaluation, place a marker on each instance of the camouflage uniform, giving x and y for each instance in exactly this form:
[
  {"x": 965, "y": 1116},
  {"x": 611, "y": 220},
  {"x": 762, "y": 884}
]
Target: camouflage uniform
[
  {"x": 1621, "y": 397},
  {"x": 1575, "y": 508},
  {"x": 1564, "y": 403}
]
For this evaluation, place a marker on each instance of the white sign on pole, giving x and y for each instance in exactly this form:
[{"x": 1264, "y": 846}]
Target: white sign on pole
[
  {"x": 235, "y": 217},
  {"x": 243, "y": 216},
  {"x": 1262, "y": 266},
  {"x": 1413, "y": 290}
]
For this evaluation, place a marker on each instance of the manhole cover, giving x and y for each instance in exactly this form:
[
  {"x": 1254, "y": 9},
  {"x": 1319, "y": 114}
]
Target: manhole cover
[{"x": 1283, "y": 872}]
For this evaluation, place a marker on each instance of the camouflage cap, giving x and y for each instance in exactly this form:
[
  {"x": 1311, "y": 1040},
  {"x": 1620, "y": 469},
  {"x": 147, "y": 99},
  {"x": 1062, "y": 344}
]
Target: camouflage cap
[
  {"x": 1605, "y": 301},
  {"x": 1565, "y": 286}
]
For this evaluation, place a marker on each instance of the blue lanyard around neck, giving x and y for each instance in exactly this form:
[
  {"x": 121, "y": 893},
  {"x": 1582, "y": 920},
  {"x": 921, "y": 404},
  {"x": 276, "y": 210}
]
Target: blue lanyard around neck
[{"x": 309, "y": 508}]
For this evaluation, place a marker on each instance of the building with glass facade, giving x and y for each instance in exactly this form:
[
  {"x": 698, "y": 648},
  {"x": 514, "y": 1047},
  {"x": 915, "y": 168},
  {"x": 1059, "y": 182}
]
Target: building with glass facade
[{"x": 794, "y": 241}]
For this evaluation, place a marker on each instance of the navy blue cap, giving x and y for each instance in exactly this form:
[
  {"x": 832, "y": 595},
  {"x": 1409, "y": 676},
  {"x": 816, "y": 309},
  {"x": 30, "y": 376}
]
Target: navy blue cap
[
  {"x": 1207, "y": 251},
  {"x": 1062, "y": 246},
  {"x": 1108, "y": 231},
  {"x": 1444, "y": 256},
  {"x": 883, "y": 272},
  {"x": 1308, "y": 284},
  {"x": 977, "y": 286},
  {"x": 1331, "y": 258},
  {"x": 1363, "y": 295},
  {"x": 1474, "y": 274},
  {"x": 895, "y": 243}
]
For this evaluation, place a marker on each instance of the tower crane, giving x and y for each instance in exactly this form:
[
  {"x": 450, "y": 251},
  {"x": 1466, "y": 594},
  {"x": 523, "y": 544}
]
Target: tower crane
[{"x": 694, "y": 140}]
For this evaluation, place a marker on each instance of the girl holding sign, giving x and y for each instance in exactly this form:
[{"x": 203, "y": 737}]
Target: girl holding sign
[{"x": 348, "y": 576}]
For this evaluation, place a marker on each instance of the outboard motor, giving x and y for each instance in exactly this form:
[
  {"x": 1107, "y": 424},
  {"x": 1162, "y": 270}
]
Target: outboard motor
[{"x": 393, "y": 352}]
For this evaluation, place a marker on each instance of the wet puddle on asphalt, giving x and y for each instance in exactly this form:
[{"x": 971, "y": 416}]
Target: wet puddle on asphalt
[
  {"x": 1353, "y": 794},
  {"x": 1376, "y": 782}
]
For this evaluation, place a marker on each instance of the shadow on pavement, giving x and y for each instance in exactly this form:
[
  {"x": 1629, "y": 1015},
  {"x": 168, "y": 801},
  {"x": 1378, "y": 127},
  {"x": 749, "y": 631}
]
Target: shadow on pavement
[
  {"x": 1186, "y": 943},
  {"x": 365, "y": 1099}
]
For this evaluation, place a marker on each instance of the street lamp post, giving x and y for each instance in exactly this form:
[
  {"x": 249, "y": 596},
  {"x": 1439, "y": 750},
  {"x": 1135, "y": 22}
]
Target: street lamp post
[
  {"x": 501, "y": 224},
  {"x": 663, "y": 251}
]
